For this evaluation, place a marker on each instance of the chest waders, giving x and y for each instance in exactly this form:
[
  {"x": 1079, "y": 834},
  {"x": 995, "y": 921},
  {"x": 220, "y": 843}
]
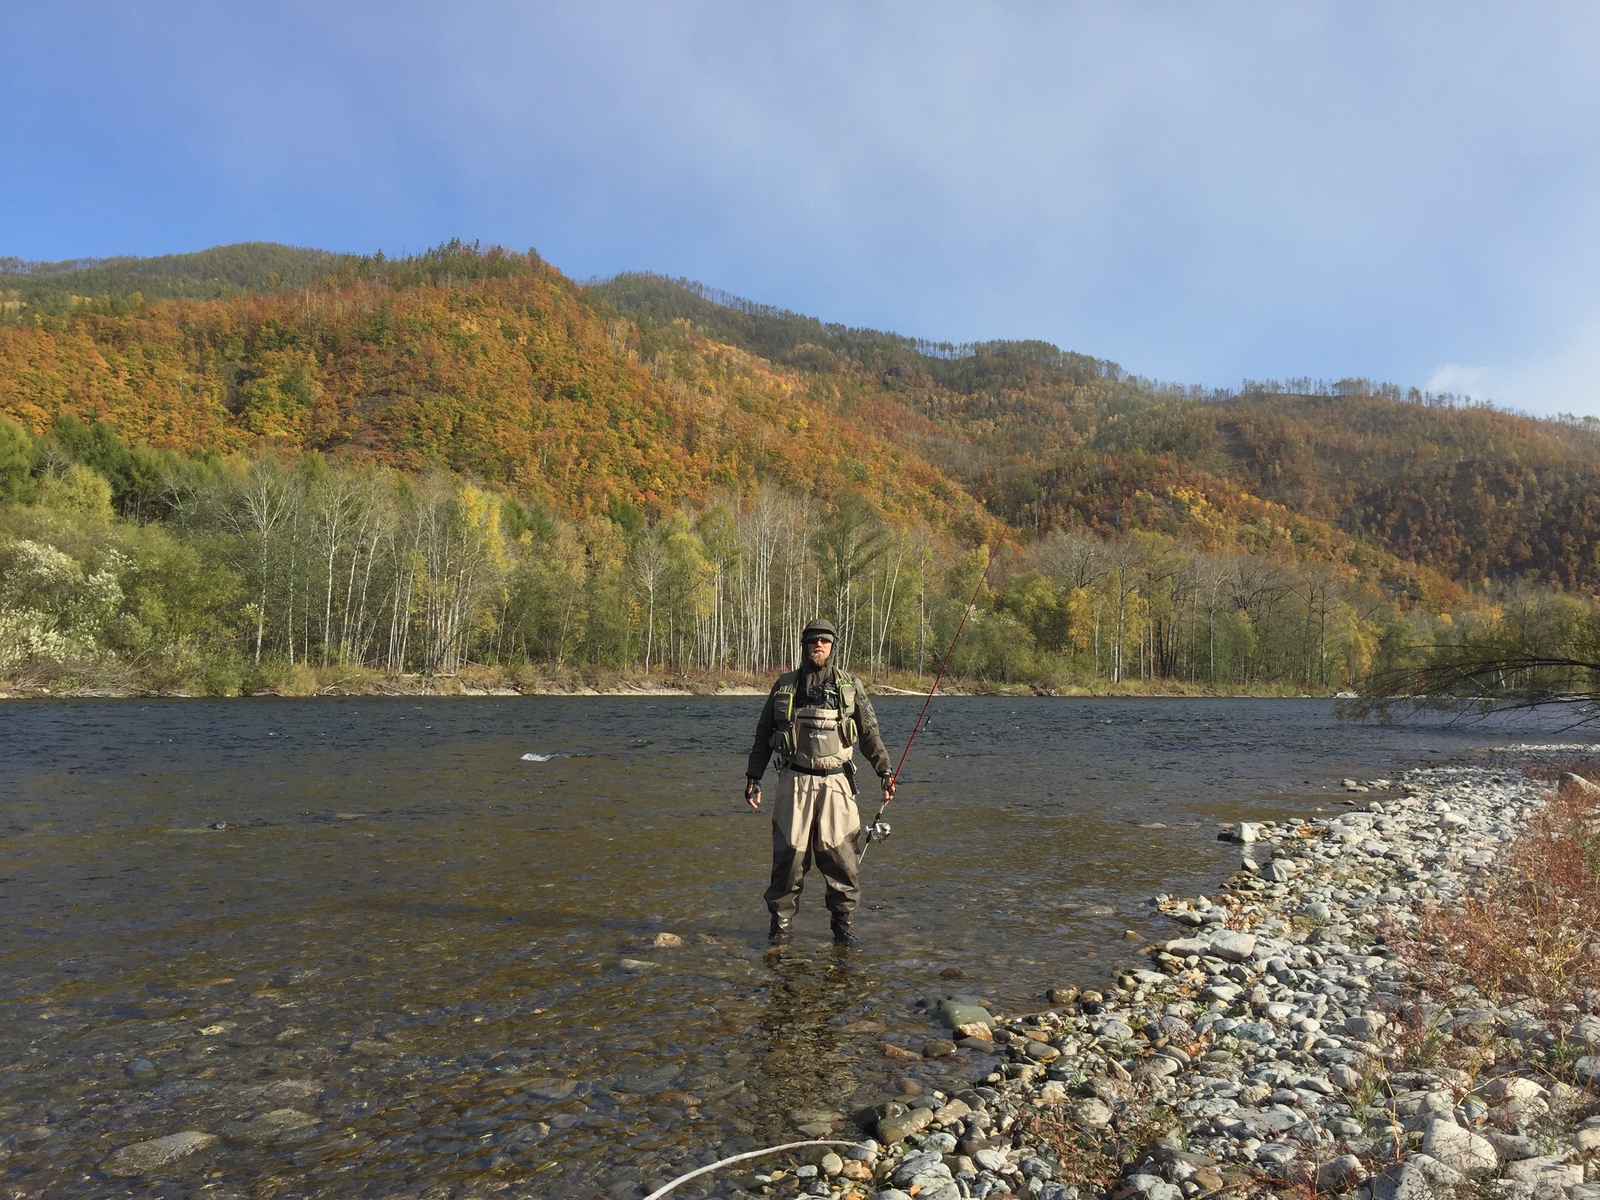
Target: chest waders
[{"x": 815, "y": 819}]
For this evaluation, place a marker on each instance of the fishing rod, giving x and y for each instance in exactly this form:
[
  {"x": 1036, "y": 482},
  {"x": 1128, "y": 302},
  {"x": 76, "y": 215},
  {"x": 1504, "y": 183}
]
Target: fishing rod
[{"x": 879, "y": 829}]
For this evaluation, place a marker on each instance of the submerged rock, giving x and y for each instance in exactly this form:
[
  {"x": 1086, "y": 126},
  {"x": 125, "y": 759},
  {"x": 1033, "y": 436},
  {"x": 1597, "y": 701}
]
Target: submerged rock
[
  {"x": 277, "y": 1122},
  {"x": 143, "y": 1157}
]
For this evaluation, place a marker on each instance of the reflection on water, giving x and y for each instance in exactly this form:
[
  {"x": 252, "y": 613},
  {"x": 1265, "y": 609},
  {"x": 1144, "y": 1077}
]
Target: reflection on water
[{"x": 378, "y": 951}]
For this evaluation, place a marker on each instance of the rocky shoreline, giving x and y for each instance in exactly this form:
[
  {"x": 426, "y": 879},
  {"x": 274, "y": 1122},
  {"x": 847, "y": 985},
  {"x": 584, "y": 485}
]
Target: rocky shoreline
[{"x": 1277, "y": 1044}]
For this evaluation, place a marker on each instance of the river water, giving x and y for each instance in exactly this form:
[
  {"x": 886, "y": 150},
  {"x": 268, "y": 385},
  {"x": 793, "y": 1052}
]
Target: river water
[{"x": 383, "y": 914}]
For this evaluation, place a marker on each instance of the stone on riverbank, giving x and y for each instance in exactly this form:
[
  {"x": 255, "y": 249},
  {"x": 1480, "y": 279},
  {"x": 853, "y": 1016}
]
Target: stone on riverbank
[
  {"x": 1460, "y": 1149},
  {"x": 1093, "y": 1113},
  {"x": 1340, "y": 1174},
  {"x": 1579, "y": 784},
  {"x": 955, "y": 1014},
  {"x": 1549, "y": 1175},
  {"x": 1417, "y": 1178},
  {"x": 1232, "y": 946},
  {"x": 894, "y": 1129}
]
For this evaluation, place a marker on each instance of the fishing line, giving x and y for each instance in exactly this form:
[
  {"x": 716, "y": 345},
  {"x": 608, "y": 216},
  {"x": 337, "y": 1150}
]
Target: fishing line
[
  {"x": 662, "y": 1191},
  {"x": 879, "y": 829}
]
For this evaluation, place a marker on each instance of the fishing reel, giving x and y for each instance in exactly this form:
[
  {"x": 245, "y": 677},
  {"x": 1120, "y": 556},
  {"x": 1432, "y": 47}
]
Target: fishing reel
[{"x": 878, "y": 831}]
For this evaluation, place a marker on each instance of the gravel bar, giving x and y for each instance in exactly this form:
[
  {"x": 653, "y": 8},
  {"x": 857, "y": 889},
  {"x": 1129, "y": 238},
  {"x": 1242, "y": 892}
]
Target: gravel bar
[{"x": 1259, "y": 1052}]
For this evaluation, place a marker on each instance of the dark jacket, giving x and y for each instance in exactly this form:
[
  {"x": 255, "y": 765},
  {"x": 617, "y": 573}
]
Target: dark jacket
[{"x": 868, "y": 739}]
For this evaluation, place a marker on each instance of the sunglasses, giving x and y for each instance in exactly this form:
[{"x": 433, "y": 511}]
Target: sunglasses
[{"x": 819, "y": 641}]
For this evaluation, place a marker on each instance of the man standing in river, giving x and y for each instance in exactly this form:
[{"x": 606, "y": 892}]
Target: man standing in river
[{"x": 813, "y": 720}]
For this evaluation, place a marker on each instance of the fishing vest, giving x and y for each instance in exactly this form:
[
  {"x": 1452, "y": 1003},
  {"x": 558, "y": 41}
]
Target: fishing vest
[{"x": 814, "y": 737}]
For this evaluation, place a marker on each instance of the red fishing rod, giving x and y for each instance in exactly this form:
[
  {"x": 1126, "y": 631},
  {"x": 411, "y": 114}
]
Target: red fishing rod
[{"x": 879, "y": 829}]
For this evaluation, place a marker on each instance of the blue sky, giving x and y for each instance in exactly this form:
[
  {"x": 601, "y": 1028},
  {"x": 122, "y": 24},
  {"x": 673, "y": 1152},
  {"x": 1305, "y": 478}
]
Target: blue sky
[{"x": 1203, "y": 192}]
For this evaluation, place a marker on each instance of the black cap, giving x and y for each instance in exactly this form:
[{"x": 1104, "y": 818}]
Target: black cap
[{"x": 818, "y": 628}]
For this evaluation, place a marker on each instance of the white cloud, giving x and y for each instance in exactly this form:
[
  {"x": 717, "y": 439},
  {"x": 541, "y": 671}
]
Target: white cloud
[
  {"x": 1564, "y": 378},
  {"x": 1460, "y": 379}
]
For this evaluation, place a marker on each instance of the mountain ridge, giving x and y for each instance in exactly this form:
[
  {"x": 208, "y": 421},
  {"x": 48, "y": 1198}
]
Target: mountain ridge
[{"x": 650, "y": 392}]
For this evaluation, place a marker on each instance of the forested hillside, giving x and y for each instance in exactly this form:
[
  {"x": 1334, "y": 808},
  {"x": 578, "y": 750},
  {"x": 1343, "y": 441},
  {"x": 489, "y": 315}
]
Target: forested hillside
[
  {"x": 487, "y": 364},
  {"x": 1049, "y": 439},
  {"x": 224, "y": 470},
  {"x": 206, "y": 275}
]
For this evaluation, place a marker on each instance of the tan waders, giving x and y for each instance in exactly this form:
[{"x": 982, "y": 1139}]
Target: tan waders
[{"x": 814, "y": 823}]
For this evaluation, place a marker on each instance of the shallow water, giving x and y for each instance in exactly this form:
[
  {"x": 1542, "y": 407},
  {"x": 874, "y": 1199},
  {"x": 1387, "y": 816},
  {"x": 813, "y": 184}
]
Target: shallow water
[{"x": 425, "y": 932}]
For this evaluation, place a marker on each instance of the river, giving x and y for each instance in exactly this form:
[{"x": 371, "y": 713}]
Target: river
[{"x": 381, "y": 914}]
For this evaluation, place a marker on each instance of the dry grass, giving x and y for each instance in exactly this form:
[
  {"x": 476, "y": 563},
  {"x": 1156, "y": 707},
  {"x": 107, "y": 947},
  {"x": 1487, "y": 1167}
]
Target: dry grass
[
  {"x": 1527, "y": 929},
  {"x": 1093, "y": 1160}
]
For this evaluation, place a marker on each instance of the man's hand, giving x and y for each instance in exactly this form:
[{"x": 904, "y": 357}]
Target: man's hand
[
  {"x": 888, "y": 789},
  {"x": 752, "y": 793}
]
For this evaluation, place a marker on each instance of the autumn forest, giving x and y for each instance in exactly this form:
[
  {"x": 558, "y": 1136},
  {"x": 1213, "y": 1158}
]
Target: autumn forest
[{"x": 264, "y": 469}]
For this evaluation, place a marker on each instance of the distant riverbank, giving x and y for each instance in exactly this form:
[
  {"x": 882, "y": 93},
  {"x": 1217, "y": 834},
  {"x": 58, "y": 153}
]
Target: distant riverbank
[{"x": 94, "y": 682}]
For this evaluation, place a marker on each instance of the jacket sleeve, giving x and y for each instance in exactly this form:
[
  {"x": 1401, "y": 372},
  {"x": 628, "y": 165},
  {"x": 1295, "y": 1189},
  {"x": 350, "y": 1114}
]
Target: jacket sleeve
[
  {"x": 761, "y": 752},
  {"x": 871, "y": 740}
]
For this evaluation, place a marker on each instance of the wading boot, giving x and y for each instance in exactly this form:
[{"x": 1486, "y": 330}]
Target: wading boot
[
  {"x": 778, "y": 931},
  {"x": 843, "y": 935}
]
